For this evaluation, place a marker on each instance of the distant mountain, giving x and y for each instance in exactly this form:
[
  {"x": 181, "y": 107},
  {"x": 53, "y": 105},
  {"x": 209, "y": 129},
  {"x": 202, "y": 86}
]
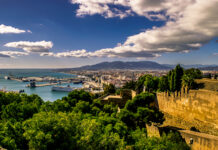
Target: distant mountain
[
  {"x": 193, "y": 66},
  {"x": 210, "y": 68},
  {"x": 139, "y": 65}
]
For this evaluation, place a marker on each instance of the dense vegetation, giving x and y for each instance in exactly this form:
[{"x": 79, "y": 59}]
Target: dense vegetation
[
  {"x": 80, "y": 121},
  {"x": 176, "y": 80}
]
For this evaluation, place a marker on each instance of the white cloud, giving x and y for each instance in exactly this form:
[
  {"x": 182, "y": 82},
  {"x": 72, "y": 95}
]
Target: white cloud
[
  {"x": 188, "y": 32},
  {"x": 152, "y": 9},
  {"x": 101, "y": 53},
  {"x": 189, "y": 25},
  {"x": 74, "y": 53},
  {"x": 39, "y": 46},
  {"x": 101, "y": 7},
  {"x": 215, "y": 54},
  {"x": 9, "y": 30},
  {"x": 12, "y": 54}
]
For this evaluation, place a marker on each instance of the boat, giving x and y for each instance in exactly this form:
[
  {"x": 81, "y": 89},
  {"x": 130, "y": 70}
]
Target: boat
[
  {"x": 77, "y": 82},
  {"x": 21, "y": 91},
  {"x": 7, "y": 78},
  {"x": 62, "y": 88},
  {"x": 32, "y": 84}
]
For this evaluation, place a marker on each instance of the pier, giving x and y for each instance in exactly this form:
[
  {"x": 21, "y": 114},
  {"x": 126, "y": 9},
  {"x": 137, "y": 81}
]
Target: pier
[
  {"x": 16, "y": 79},
  {"x": 44, "y": 79}
]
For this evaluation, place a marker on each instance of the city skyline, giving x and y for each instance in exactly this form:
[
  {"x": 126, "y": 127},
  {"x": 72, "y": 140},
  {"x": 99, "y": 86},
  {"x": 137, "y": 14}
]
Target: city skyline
[{"x": 73, "y": 33}]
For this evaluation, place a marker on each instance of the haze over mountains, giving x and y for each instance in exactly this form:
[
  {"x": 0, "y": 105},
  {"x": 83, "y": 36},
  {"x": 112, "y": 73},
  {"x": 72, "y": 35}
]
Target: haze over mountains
[{"x": 139, "y": 65}]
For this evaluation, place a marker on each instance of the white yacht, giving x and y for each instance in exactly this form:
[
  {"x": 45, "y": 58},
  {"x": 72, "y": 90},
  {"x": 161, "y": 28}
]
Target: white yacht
[{"x": 63, "y": 89}]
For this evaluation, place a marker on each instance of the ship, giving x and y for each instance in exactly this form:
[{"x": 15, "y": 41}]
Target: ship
[
  {"x": 7, "y": 78},
  {"x": 32, "y": 84},
  {"x": 62, "y": 88}
]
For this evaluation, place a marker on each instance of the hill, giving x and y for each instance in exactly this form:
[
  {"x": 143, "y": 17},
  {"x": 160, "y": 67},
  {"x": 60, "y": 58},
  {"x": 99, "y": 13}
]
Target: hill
[
  {"x": 199, "y": 66},
  {"x": 136, "y": 65},
  {"x": 208, "y": 84},
  {"x": 139, "y": 65},
  {"x": 210, "y": 68}
]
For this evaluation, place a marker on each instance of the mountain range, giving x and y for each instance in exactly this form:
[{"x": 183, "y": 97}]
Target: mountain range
[{"x": 137, "y": 65}]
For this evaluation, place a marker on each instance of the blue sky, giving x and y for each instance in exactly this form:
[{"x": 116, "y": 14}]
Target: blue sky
[{"x": 80, "y": 32}]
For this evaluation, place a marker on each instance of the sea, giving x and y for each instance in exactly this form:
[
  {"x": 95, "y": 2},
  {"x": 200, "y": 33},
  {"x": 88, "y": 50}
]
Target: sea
[{"x": 44, "y": 92}]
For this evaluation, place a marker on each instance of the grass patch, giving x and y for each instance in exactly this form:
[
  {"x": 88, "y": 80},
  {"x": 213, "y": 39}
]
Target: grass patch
[{"x": 207, "y": 84}]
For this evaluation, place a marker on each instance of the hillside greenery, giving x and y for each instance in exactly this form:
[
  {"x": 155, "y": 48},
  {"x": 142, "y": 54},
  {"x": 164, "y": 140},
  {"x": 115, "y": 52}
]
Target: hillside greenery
[
  {"x": 78, "y": 121},
  {"x": 176, "y": 80}
]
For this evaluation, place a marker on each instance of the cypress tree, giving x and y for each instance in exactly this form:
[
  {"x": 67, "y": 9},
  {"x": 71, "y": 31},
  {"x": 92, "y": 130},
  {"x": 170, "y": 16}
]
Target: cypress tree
[
  {"x": 178, "y": 73},
  {"x": 172, "y": 83}
]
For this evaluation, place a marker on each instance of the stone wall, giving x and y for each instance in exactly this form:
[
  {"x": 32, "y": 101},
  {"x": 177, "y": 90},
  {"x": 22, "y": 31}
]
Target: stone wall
[
  {"x": 152, "y": 131},
  {"x": 197, "y": 105},
  {"x": 196, "y": 140},
  {"x": 119, "y": 100},
  {"x": 200, "y": 141}
]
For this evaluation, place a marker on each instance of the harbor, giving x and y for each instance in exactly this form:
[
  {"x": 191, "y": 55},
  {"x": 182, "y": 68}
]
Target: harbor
[
  {"x": 18, "y": 81},
  {"x": 57, "y": 83},
  {"x": 47, "y": 84},
  {"x": 45, "y": 79}
]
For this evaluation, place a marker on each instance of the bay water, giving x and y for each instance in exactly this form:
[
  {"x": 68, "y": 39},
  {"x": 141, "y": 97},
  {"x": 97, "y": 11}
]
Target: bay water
[{"x": 44, "y": 92}]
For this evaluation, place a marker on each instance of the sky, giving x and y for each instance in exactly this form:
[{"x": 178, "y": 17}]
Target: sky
[{"x": 73, "y": 33}]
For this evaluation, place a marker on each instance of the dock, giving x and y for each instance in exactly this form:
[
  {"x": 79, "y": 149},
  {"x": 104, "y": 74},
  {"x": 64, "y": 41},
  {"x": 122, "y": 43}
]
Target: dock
[
  {"x": 50, "y": 81},
  {"x": 44, "y": 79},
  {"x": 16, "y": 79}
]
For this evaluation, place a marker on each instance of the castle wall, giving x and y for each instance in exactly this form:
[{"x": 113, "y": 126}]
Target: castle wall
[
  {"x": 201, "y": 105},
  {"x": 197, "y": 106},
  {"x": 201, "y": 141}
]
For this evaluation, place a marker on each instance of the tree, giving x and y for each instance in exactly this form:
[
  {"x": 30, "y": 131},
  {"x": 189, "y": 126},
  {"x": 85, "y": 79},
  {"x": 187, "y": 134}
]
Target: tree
[
  {"x": 141, "y": 100},
  {"x": 172, "y": 81},
  {"x": 109, "y": 89},
  {"x": 215, "y": 76},
  {"x": 95, "y": 135},
  {"x": 163, "y": 85},
  {"x": 126, "y": 94},
  {"x": 76, "y": 95},
  {"x": 146, "y": 115},
  {"x": 130, "y": 85},
  {"x": 179, "y": 71},
  {"x": 22, "y": 108},
  {"x": 49, "y": 130},
  {"x": 11, "y": 136},
  {"x": 128, "y": 118},
  {"x": 188, "y": 81},
  {"x": 109, "y": 109},
  {"x": 83, "y": 107},
  {"x": 195, "y": 73},
  {"x": 171, "y": 141},
  {"x": 151, "y": 83},
  {"x": 140, "y": 84},
  {"x": 61, "y": 106},
  {"x": 139, "y": 111},
  {"x": 79, "y": 122}
]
